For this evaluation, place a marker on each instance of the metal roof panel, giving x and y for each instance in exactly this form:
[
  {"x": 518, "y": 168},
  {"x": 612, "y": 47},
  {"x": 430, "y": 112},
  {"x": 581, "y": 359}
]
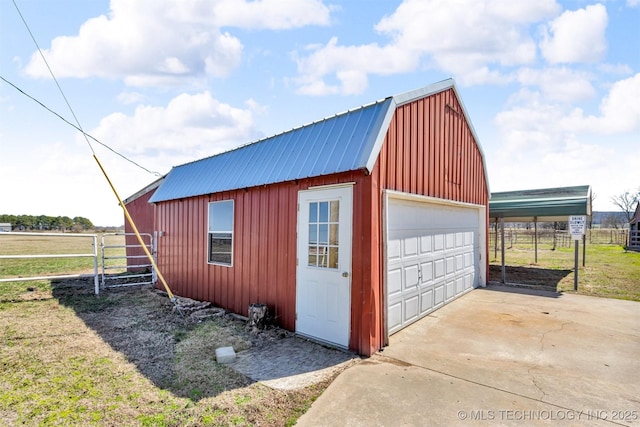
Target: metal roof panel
[{"x": 335, "y": 144}]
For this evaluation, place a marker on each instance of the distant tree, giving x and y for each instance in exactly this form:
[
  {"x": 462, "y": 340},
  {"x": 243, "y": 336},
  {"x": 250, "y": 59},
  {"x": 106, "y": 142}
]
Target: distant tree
[
  {"x": 45, "y": 222},
  {"x": 84, "y": 223},
  {"x": 627, "y": 202},
  {"x": 24, "y": 222},
  {"x": 65, "y": 223},
  {"x": 612, "y": 221}
]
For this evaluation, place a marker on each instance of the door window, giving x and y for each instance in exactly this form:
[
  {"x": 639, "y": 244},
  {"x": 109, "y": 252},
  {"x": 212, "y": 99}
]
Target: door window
[{"x": 323, "y": 242}]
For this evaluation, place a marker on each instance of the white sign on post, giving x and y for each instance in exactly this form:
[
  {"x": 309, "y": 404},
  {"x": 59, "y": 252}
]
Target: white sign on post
[{"x": 577, "y": 226}]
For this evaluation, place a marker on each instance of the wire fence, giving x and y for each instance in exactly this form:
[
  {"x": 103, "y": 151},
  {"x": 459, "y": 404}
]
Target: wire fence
[{"x": 551, "y": 239}]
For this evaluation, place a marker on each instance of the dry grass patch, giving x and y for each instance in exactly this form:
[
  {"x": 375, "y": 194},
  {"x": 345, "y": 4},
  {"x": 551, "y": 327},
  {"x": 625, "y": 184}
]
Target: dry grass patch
[{"x": 68, "y": 357}]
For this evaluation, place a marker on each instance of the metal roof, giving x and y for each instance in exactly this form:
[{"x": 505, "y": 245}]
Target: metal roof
[
  {"x": 345, "y": 142},
  {"x": 545, "y": 204}
]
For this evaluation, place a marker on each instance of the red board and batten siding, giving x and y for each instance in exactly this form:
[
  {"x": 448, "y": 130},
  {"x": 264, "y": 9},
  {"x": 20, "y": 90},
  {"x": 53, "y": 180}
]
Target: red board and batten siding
[
  {"x": 428, "y": 150},
  {"x": 264, "y": 253}
]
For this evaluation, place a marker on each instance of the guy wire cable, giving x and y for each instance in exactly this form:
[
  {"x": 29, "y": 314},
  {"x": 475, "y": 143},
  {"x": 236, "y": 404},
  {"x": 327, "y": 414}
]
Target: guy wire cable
[{"x": 122, "y": 205}]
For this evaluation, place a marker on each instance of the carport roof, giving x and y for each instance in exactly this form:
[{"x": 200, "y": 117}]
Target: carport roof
[{"x": 545, "y": 204}]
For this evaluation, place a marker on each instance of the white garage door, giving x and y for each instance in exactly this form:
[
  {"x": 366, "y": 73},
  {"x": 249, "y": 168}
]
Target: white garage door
[{"x": 432, "y": 257}]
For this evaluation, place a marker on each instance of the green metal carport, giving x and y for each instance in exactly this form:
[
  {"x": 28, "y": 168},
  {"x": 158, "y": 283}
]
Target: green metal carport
[{"x": 539, "y": 205}]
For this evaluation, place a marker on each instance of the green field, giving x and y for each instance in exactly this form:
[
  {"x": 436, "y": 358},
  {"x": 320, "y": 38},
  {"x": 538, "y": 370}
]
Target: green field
[
  {"x": 60, "y": 244},
  {"x": 609, "y": 271}
]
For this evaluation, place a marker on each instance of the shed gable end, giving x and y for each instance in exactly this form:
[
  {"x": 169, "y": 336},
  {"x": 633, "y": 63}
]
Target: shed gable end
[{"x": 430, "y": 149}]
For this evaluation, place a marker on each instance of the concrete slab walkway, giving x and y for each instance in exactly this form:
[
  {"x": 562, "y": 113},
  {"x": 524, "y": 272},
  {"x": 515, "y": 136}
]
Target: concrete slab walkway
[{"x": 498, "y": 356}]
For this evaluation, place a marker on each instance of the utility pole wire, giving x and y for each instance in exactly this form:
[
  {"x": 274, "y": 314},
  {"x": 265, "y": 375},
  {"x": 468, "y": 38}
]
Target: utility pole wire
[
  {"x": 53, "y": 76},
  {"x": 80, "y": 129},
  {"x": 122, "y": 205}
]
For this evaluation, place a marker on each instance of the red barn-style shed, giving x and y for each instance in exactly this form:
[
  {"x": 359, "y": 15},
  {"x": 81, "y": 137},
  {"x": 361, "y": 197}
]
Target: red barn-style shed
[{"x": 349, "y": 228}]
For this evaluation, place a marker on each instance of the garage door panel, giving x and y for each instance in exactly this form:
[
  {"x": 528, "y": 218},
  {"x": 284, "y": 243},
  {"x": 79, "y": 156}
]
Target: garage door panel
[
  {"x": 426, "y": 301},
  {"x": 459, "y": 264},
  {"x": 450, "y": 240},
  {"x": 410, "y": 247},
  {"x": 394, "y": 282},
  {"x": 438, "y": 242},
  {"x": 468, "y": 238},
  {"x": 426, "y": 246},
  {"x": 438, "y": 296},
  {"x": 432, "y": 258},
  {"x": 450, "y": 290},
  {"x": 439, "y": 268},
  {"x": 427, "y": 272},
  {"x": 468, "y": 281},
  {"x": 450, "y": 265},
  {"x": 468, "y": 259},
  {"x": 394, "y": 316},
  {"x": 411, "y": 276},
  {"x": 393, "y": 249},
  {"x": 411, "y": 306}
]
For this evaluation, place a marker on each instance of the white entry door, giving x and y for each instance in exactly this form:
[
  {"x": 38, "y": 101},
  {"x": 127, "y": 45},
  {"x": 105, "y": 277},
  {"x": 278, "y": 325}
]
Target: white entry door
[{"x": 323, "y": 289}]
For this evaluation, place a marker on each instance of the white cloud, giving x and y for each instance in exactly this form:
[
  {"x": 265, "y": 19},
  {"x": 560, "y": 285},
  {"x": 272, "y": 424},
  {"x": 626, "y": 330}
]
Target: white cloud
[
  {"x": 150, "y": 42},
  {"x": 615, "y": 68},
  {"x": 188, "y": 128},
  {"x": 558, "y": 84},
  {"x": 547, "y": 143},
  {"x": 619, "y": 111},
  {"x": 633, "y": 3},
  {"x": 463, "y": 38},
  {"x": 576, "y": 36},
  {"x": 535, "y": 120},
  {"x": 128, "y": 98},
  {"x": 271, "y": 14},
  {"x": 565, "y": 162},
  {"x": 350, "y": 65}
]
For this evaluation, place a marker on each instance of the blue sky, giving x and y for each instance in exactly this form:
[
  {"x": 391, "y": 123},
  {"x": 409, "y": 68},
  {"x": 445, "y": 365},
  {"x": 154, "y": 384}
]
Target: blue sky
[{"x": 552, "y": 87}]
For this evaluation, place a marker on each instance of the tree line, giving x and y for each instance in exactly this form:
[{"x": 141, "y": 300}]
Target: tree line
[{"x": 46, "y": 223}]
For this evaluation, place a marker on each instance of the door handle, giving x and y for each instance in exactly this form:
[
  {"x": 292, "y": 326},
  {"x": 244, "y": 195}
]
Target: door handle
[{"x": 345, "y": 274}]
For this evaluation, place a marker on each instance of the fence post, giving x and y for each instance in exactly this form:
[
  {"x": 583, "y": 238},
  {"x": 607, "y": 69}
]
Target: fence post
[{"x": 96, "y": 286}]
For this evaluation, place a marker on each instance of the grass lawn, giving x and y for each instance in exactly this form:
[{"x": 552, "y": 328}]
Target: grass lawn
[
  {"x": 124, "y": 358},
  {"x": 609, "y": 271}
]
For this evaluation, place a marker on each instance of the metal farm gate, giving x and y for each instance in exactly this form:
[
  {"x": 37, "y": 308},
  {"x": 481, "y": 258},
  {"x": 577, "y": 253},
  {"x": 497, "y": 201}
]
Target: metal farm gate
[{"x": 138, "y": 270}]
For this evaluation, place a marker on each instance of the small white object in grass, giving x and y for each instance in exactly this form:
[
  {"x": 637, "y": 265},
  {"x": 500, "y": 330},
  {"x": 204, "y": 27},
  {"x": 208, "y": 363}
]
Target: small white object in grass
[{"x": 225, "y": 355}]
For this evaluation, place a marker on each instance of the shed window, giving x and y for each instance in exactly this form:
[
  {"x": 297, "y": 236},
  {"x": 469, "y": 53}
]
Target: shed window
[{"x": 221, "y": 232}]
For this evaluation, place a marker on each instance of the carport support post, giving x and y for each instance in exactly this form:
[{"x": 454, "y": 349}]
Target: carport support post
[
  {"x": 535, "y": 233},
  {"x": 575, "y": 266},
  {"x": 504, "y": 273}
]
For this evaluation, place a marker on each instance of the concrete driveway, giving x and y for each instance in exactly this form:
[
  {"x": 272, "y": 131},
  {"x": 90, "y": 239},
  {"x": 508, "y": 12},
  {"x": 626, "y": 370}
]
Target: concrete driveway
[{"x": 498, "y": 356}]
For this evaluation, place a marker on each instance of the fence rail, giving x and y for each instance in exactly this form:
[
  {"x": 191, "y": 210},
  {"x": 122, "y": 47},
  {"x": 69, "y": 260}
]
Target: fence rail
[
  {"x": 93, "y": 255},
  {"x": 138, "y": 270},
  {"x": 557, "y": 238}
]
